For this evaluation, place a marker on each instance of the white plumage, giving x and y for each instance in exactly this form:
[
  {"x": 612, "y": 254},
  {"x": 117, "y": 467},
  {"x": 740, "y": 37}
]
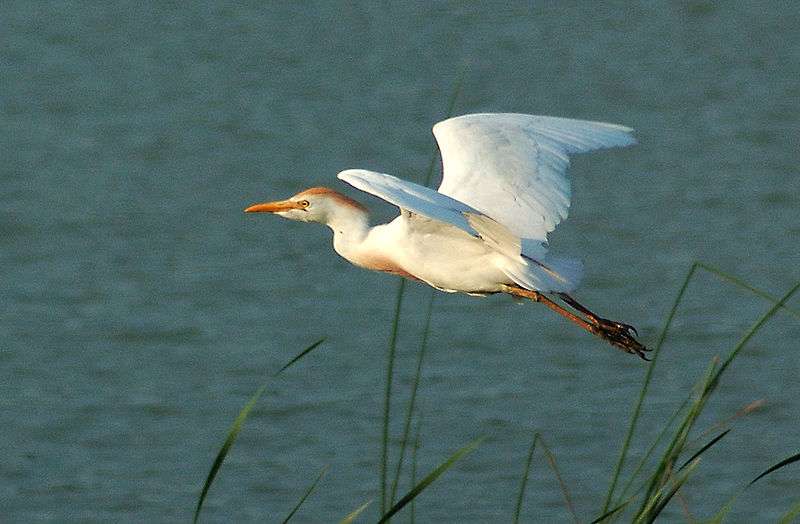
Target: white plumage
[
  {"x": 504, "y": 187},
  {"x": 513, "y": 167}
]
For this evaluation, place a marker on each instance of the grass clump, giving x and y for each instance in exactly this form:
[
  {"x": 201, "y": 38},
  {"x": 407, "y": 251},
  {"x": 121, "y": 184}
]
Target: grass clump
[
  {"x": 642, "y": 498},
  {"x": 664, "y": 472}
]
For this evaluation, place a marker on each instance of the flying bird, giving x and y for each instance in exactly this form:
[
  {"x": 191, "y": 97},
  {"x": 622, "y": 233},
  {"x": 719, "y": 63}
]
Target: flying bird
[{"x": 484, "y": 231}]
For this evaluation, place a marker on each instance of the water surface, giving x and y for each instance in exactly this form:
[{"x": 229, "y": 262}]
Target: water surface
[{"x": 142, "y": 307}]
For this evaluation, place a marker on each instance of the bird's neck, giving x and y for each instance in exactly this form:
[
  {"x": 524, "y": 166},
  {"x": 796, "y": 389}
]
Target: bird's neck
[{"x": 350, "y": 227}]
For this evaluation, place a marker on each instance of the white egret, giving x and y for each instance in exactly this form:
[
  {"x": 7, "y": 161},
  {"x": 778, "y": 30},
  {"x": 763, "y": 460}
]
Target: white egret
[{"x": 504, "y": 187}]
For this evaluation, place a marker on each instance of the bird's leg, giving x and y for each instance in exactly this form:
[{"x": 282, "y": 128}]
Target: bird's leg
[
  {"x": 538, "y": 297},
  {"x": 617, "y": 334},
  {"x": 597, "y": 319}
]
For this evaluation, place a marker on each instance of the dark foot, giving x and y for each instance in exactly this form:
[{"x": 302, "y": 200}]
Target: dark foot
[
  {"x": 619, "y": 326},
  {"x": 620, "y": 335}
]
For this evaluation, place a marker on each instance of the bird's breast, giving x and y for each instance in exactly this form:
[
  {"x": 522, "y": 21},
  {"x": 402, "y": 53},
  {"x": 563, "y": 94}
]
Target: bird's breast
[
  {"x": 444, "y": 257},
  {"x": 376, "y": 262}
]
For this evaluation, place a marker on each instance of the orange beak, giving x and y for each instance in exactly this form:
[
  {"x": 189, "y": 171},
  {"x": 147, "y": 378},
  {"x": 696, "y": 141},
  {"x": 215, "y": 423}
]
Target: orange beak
[{"x": 273, "y": 207}]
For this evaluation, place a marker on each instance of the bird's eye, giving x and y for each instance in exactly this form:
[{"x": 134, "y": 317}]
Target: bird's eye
[{"x": 304, "y": 203}]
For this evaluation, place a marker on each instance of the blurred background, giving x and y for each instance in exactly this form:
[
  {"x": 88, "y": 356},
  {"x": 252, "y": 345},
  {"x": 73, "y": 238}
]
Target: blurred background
[{"x": 141, "y": 307}]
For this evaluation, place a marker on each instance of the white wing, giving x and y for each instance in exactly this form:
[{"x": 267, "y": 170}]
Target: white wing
[
  {"x": 512, "y": 167},
  {"x": 410, "y": 196},
  {"x": 437, "y": 206}
]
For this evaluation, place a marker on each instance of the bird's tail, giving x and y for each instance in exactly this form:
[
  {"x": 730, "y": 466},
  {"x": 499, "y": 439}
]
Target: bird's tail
[{"x": 553, "y": 275}]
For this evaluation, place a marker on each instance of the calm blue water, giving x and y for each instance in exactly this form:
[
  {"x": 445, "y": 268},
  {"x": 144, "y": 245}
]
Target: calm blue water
[{"x": 141, "y": 307}]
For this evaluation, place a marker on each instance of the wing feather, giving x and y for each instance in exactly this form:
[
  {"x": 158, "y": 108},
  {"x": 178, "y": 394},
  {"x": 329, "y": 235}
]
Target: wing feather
[
  {"x": 512, "y": 167},
  {"x": 410, "y": 196},
  {"x": 431, "y": 204}
]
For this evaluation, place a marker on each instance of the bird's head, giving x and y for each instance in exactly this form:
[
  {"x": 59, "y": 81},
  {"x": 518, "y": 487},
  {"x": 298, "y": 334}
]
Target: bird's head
[{"x": 318, "y": 204}]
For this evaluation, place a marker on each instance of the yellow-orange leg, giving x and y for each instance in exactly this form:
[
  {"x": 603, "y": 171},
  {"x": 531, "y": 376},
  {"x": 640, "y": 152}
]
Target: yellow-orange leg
[{"x": 615, "y": 333}]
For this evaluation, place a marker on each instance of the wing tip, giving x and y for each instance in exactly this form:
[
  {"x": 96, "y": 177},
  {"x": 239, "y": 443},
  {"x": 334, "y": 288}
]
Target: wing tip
[
  {"x": 621, "y": 136},
  {"x": 354, "y": 177},
  {"x": 346, "y": 173},
  {"x": 625, "y": 137}
]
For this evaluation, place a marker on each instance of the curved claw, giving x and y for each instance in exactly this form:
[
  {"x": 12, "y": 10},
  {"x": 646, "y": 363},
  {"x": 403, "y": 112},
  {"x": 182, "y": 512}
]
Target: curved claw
[
  {"x": 628, "y": 328},
  {"x": 621, "y": 336},
  {"x": 620, "y": 326}
]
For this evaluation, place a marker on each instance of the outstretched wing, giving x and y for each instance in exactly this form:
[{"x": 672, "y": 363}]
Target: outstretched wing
[
  {"x": 429, "y": 203},
  {"x": 512, "y": 167}
]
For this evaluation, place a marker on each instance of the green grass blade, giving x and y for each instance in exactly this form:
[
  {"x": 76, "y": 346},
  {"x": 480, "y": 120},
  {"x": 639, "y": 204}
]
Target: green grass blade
[
  {"x": 704, "y": 448},
  {"x": 720, "y": 515},
  {"x": 414, "y": 389},
  {"x": 551, "y": 459},
  {"x": 413, "y": 398},
  {"x": 652, "y": 448},
  {"x": 723, "y": 512},
  {"x": 777, "y": 305},
  {"x": 524, "y": 482},
  {"x": 387, "y": 398},
  {"x": 308, "y": 492},
  {"x": 751, "y": 332},
  {"x": 390, "y": 364},
  {"x": 648, "y": 377},
  {"x": 650, "y": 516},
  {"x": 713, "y": 375},
  {"x": 236, "y": 427},
  {"x": 783, "y": 463},
  {"x": 746, "y": 410},
  {"x": 658, "y": 479},
  {"x": 430, "y": 478},
  {"x": 353, "y": 515},
  {"x": 300, "y": 355},
  {"x": 664, "y": 468},
  {"x": 414, "y": 451},
  {"x": 790, "y": 515},
  {"x": 613, "y": 511},
  {"x": 744, "y": 285}
]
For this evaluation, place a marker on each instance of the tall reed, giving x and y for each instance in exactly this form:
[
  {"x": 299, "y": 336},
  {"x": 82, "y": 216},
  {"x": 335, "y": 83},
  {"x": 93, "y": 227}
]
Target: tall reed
[{"x": 392, "y": 347}]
